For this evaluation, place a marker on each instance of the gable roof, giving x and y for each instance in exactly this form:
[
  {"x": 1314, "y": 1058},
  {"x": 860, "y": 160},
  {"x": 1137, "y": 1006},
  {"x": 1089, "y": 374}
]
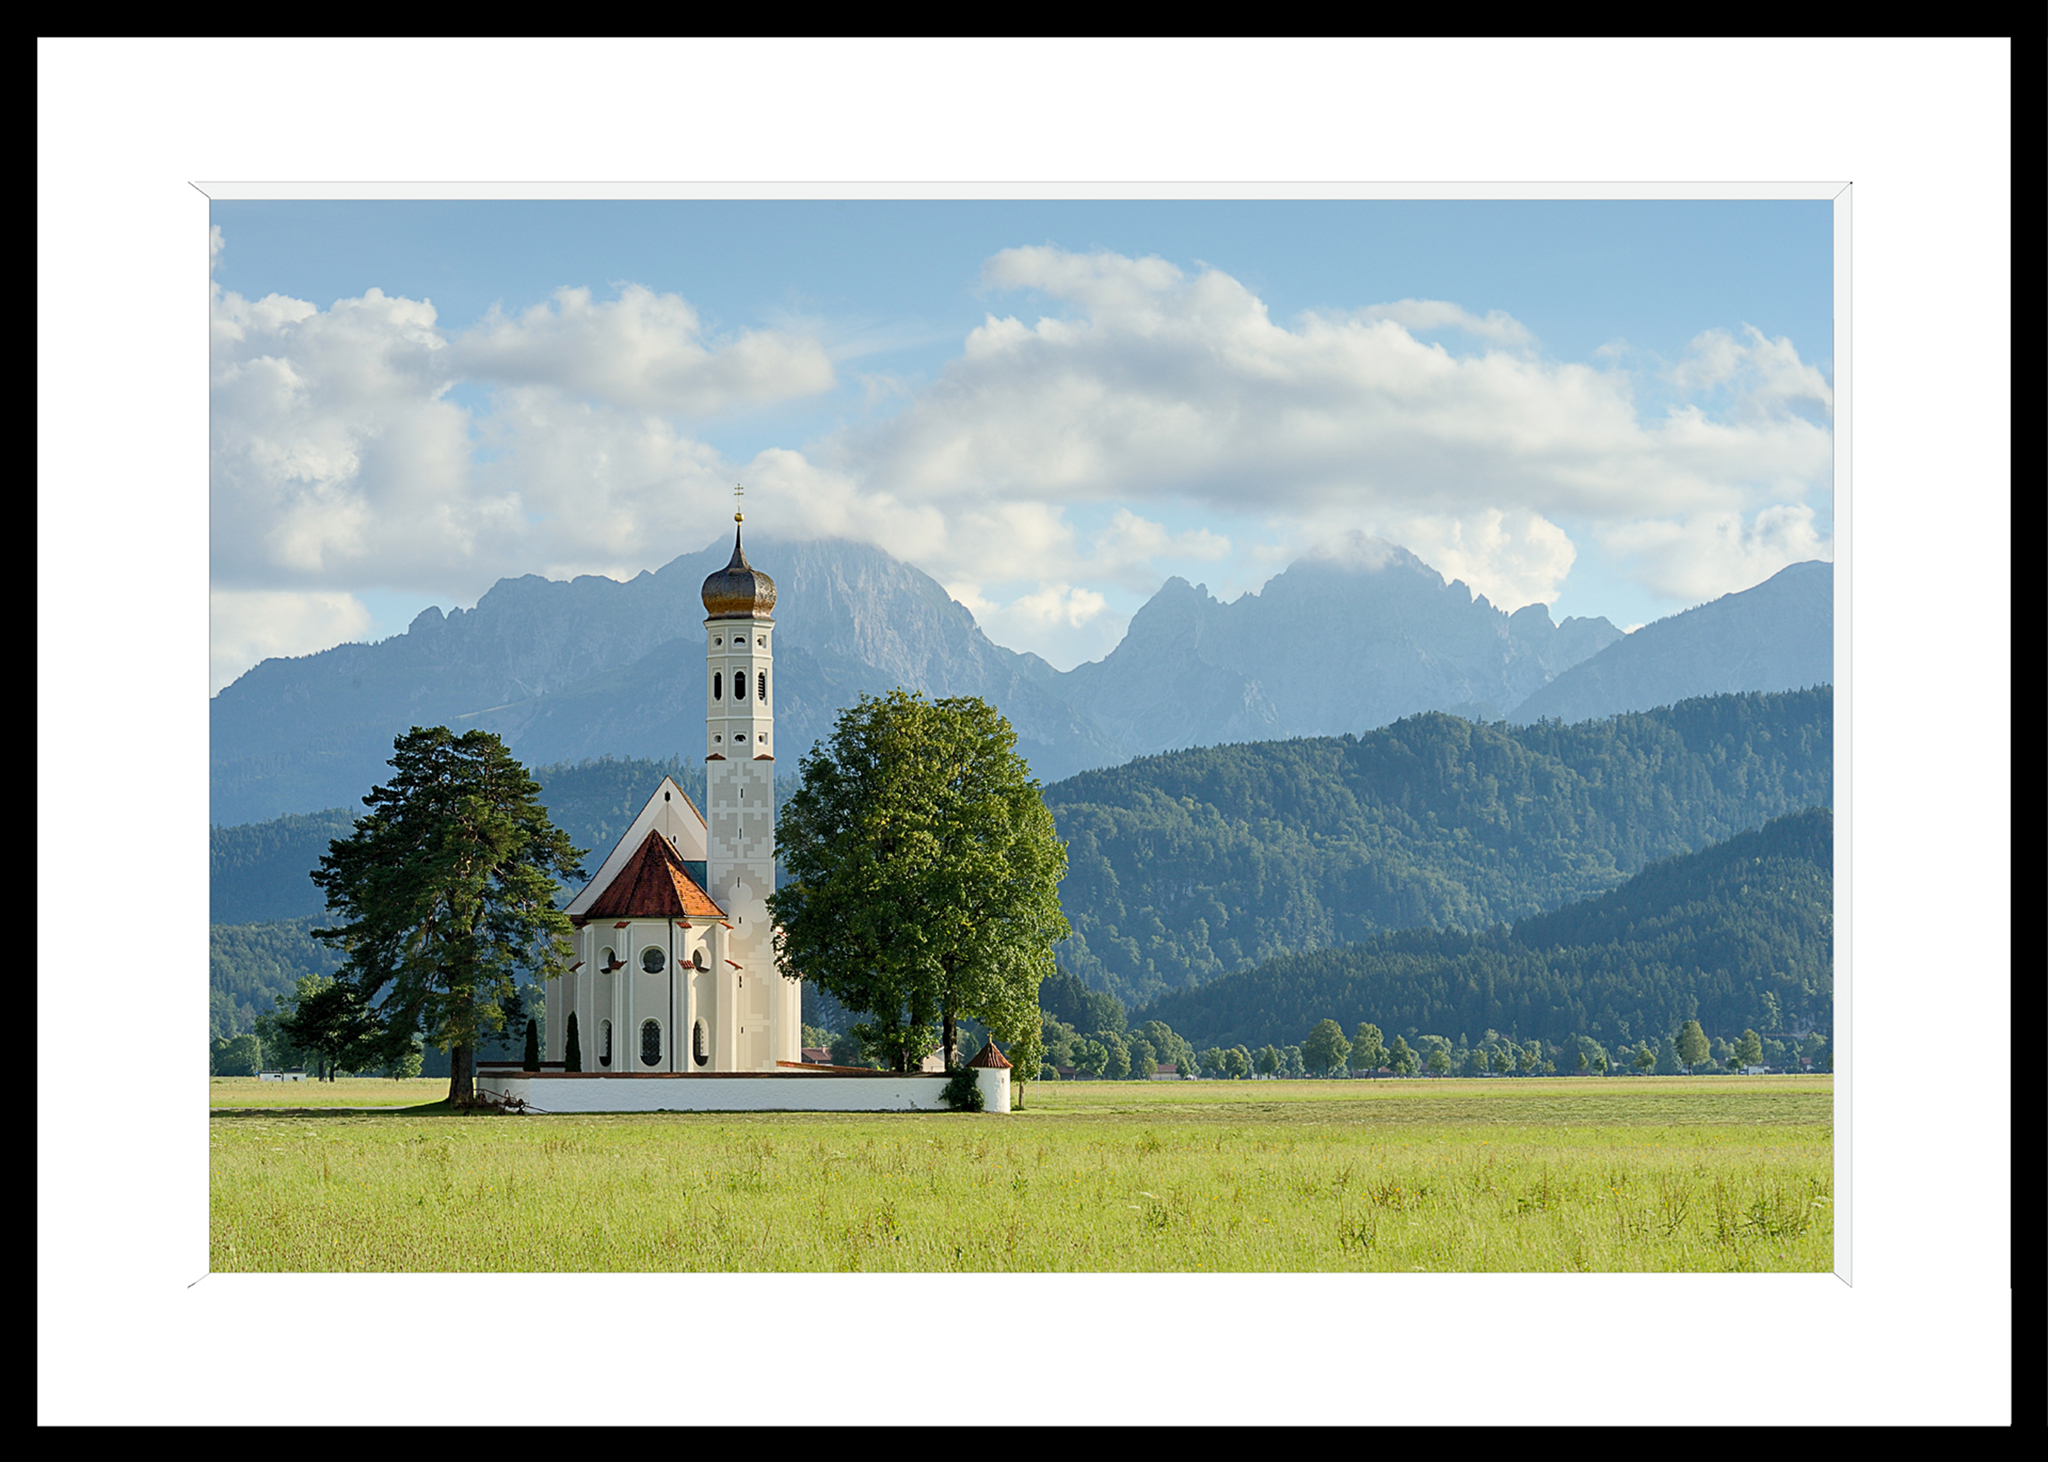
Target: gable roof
[
  {"x": 668, "y": 812},
  {"x": 653, "y": 884}
]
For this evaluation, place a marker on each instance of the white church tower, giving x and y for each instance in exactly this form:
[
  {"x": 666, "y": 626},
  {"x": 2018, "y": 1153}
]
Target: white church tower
[{"x": 764, "y": 1023}]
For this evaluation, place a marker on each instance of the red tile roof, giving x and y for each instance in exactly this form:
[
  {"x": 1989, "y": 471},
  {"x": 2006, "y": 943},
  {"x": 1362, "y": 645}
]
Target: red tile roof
[
  {"x": 654, "y": 884},
  {"x": 990, "y": 1056}
]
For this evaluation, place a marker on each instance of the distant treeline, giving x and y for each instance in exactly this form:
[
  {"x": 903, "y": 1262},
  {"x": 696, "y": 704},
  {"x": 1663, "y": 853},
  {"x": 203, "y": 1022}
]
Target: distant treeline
[
  {"x": 1188, "y": 866},
  {"x": 1739, "y": 936}
]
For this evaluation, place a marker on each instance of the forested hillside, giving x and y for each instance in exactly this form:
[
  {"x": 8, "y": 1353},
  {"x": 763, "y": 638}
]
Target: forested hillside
[
  {"x": 260, "y": 869},
  {"x": 1740, "y": 935},
  {"x": 265, "y": 904},
  {"x": 1187, "y": 866}
]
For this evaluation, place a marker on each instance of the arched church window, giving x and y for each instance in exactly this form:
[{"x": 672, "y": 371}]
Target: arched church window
[
  {"x": 650, "y": 1043},
  {"x": 604, "y": 1044},
  {"x": 700, "y": 1048},
  {"x": 653, "y": 959},
  {"x": 717, "y": 686},
  {"x": 764, "y": 686}
]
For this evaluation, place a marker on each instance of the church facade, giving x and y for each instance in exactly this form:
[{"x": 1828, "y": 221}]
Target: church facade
[{"x": 674, "y": 967}]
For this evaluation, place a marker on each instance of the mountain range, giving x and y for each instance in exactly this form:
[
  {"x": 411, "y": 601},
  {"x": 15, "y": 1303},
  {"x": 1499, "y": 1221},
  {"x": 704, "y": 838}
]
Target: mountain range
[{"x": 565, "y": 671}]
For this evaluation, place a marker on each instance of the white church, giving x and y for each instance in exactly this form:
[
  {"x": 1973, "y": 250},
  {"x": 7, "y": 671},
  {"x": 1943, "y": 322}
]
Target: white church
[
  {"x": 675, "y": 959},
  {"x": 678, "y": 1002}
]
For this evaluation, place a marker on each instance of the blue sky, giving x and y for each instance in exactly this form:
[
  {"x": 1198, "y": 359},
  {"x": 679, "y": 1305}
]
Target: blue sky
[{"x": 1616, "y": 408}]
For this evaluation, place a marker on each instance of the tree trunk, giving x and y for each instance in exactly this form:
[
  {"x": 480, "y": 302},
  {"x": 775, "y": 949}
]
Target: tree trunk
[
  {"x": 461, "y": 1074},
  {"x": 950, "y": 1036}
]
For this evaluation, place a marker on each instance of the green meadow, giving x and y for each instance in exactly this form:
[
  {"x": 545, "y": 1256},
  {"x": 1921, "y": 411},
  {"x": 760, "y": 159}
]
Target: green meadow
[{"x": 1558, "y": 1174}]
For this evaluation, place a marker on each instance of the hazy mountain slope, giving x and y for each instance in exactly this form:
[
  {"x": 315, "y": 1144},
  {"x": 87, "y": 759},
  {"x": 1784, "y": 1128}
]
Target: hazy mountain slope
[
  {"x": 1707, "y": 935},
  {"x": 1186, "y": 866},
  {"x": 592, "y": 667},
  {"x": 1778, "y": 636},
  {"x": 1343, "y": 642}
]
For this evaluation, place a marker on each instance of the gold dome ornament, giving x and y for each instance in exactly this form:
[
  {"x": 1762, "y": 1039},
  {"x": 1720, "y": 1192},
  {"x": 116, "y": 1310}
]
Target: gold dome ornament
[{"x": 739, "y": 590}]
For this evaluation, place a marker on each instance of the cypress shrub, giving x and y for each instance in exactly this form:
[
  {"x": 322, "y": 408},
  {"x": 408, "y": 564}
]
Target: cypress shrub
[
  {"x": 530, "y": 1058},
  {"x": 572, "y": 1057}
]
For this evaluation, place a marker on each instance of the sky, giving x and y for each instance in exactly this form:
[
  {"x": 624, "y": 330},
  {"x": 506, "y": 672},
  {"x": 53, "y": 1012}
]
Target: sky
[{"x": 1619, "y": 408}]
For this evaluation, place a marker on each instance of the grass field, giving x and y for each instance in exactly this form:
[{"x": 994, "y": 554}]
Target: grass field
[
  {"x": 346, "y": 1091},
  {"x": 1669, "y": 1173}
]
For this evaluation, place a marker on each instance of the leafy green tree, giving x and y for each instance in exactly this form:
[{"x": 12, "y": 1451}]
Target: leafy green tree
[
  {"x": 1368, "y": 1048},
  {"x": 1291, "y": 1064},
  {"x": 1646, "y": 1058},
  {"x": 1092, "y": 1057},
  {"x": 572, "y": 1045},
  {"x": 847, "y": 1050},
  {"x": 1668, "y": 1063},
  {"x": 332, "y": 1022},
  {"x": 1143, "y": 1059},
  {"x": 240, "y": 1056},
  {"x": 1692, "y": 1044},
  {"x": 1400, "y": 1060},
  {"x": 1239, "y": 1063},
  {"x": 1214, "y": 1063},
  {"x": 1117, "y": 1062},
  {"x": 1749, "y": 1051},
  {"x": 445, "y": 893},
  {"x": 1326, "y": 1048},
  {"x": 1025, "y": 1051},
  {"x": 405, "y": 1064},
  {"x": 1439, "y": 1060},
  {"x": 1268, "y": 1061},
  {"x": 1474, "y": 1063},
  {"x": 920, "y": 872}
]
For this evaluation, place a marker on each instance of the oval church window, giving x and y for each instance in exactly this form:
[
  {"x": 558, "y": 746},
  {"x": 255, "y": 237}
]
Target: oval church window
[
  {"x": 653, "y": 959},
  {"x": 650, "y": 1043}
]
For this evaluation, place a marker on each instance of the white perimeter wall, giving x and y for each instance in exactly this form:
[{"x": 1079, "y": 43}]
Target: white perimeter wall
[{"x": 795, "y": 1092}]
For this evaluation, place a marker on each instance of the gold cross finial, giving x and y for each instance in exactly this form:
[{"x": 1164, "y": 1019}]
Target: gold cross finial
[{"x": 737, "y": 515}]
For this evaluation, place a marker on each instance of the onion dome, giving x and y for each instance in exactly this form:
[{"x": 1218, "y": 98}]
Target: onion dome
[{"x": 739, "y": 590}]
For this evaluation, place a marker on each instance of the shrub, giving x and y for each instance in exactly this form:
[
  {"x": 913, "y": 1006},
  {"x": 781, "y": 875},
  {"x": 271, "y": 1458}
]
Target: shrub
[{"x": 963, "y": 1091}]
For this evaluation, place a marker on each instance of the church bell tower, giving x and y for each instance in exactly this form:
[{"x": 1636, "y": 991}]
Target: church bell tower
[{"x": 762, "y": 1026}]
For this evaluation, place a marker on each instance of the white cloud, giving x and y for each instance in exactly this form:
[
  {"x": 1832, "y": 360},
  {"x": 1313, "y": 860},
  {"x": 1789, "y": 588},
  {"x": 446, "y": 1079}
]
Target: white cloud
[
  {"x": 1514, "y": 557},
  {"x": 1163, "y": 385},
  {"x": 1707, "y": 555},
  {"x": 334, "y": 457},
  {"x": 642, "y": 350},
  {"x": 342, "y": 460},
  {"x": 1498, "y": 326},
  {"x": 1128, "y": 551},
  {"x": 1061, "y": 622},
  {"x": 249, "y": 627},
  {"x": 1767, "y": 377}
]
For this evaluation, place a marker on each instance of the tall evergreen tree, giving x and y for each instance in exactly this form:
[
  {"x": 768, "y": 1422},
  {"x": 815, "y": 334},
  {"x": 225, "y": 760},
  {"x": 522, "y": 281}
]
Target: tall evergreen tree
[
  {"x": 572, "y": 1045},
  {"x": 445, "y": 894}
]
